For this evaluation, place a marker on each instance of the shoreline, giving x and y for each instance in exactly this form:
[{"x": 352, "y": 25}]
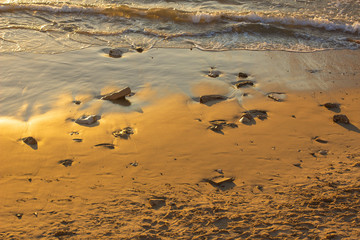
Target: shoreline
[{"x": 283, "y": 183}]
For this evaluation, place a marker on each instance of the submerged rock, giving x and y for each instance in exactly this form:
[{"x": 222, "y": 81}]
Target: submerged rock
[
  {"x": 244, "y": 83},
  {"x": 117, "y": 94},
  {"x": 209, "y": 98},
  {"x": 341, "y": 118},
  {"x": 88, "y": 120},
  {"x": 29, "y": 140},
  {"x": 115, "y": 53}
]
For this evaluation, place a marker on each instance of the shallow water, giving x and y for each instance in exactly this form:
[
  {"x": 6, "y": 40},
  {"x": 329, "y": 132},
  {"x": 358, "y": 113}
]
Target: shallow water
[{"x": 59, "y": 26}]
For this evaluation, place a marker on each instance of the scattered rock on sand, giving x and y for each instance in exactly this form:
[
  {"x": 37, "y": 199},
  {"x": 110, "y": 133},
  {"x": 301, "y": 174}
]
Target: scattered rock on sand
[
  {"x": 209, "y": 98},
  {"x": 105, "y": 145},
  {"x": 332, "y": 105},
  {"x": 242, "y": 75},
  {"x": 115, "y": 53},
  {"x": 66, "y": 162},
  {"x": 341, "y": 118},
  {"x": 244, "y": 83},
  {"x": 117, "y": 94},
  {"x": 277, "y": 96},
  {"x": 218, "y": 125},
  {"x": 19, "y": 215},
  {"x": 123, "y": 133},
  {"x": 157, "y": 202},
  {"x": 29, "y": 140},
  {"x": 247, "y": 118},
  {"x": 87, "y": 120}
]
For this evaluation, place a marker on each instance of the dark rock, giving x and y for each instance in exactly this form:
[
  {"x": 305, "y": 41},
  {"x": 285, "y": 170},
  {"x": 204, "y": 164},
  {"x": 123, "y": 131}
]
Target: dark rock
[
  {"x": 246, "y": 118},
  {"x": 139, "y": 49},
  {"x": 242, "y": 75},
  {"x": 88, "y": 120},
  {"x": 66, "y": 162},
  {"x": 106, "y": 145},
  {"x": 117, "y": 94},
  {"x": 218, "y": 125},
  {"x": 157, "y": 202},
  {"x": 134, "y": 164},
  {"x": 341, "y": 118},
  {"x": 332, "y": 105},
  {"x": 277, "y": 96},
  {"x": 244, "y": 83},
  {"x": 115, "y": 53},
  {"x": 76, "y": 102},
  {"x": 77, "y": 140},
  {"x": 19, "y": 215},
  {"x": 29, "y": 140},
  {"x": 297, "y": 165},
  {"x": 209, "y": 98}
]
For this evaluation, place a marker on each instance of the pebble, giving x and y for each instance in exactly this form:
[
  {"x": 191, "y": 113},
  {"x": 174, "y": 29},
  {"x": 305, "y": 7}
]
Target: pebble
[
  {"x": 66, "y": 162},
  {"x": 244, "y": 83},
  {"x": 157, "y": 203},
  {"x": 277, "y": 96},
  {"x": 106, "y": 145},
  {"x": 123, "y": 133},
  {"x": 341, "y": 118},
  {"x": 331, "y": 105},
  {"x": 117, "y": 94},
  {"x": 242, "y": 75},
  {"x": 29, "y": 140},
  {"x": 209, "y": 98},
  {"x": 88, "y": 120},
  {"x": 214, "y": 73},
  {"x": 115, "y": 53},
  {"x": 19, "y": 215},
  {"x": 139, "y": 49}
]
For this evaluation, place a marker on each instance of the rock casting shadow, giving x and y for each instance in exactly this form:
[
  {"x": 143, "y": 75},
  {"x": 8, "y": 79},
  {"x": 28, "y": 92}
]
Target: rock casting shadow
[
  {"x": 122, "y": 101},
  {"x": 224, "y": 186}
]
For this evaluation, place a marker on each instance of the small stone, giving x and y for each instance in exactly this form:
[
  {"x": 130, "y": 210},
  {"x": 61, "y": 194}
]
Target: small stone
[
  {"x": 115, "y": 53},
  {"x": 214, "y": 73},
  {"x": 319, "y": 140},
  {"x": 29, "y": 141},
  {"x": 157, "y": 202},
  {"x": 35, "y": 214},
  {"x": 139, "y": 49},
  {"x": 106, "y": 145},
  {"x": 117, "y": 94},
  {"x": 244, "y": 83},
  {"x": 19, "y": 215},
  {"x": 123, "y": 133},
  {"x": 66, "y": 162},
  {"x": 297, "y": 165},
  {"x": 219, "y": 171},
  {"x": 246, "y": 118},
  {"x": 76, "y": 102},
  {"x": 216, "y": 127},
  {"x": 341, "y": 118},
  {"x": 323, "y": 152},
  {"x": 242, "y": 75},
  {"x": 209, "y": 98},
  {"x": 331, "y": 105},
  {"x": 87, "y": 120}
]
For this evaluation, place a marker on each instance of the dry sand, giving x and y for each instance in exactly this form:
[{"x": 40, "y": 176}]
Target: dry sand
[{"x": 284, "y": 184}]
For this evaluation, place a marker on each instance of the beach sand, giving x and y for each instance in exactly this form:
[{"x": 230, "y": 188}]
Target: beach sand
[{"x": 292, "y": 175}]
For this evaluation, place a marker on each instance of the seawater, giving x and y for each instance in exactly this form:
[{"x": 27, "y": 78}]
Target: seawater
[{"x": 48, "y": 26}]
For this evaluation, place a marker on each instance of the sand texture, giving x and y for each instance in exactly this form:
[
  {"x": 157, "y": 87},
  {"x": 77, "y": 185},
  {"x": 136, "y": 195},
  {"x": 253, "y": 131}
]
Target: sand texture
[{"x": 174, "y": 168}]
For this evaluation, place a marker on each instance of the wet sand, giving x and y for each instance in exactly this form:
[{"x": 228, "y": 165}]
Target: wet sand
[{"x": 292, "y": 175}]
